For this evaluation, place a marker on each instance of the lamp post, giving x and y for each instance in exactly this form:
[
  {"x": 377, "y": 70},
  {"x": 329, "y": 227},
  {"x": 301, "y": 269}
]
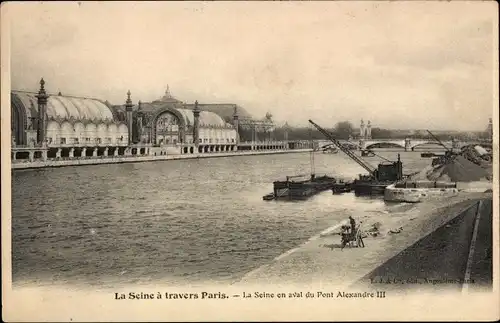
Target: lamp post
[{"x": 42, "y": 99}]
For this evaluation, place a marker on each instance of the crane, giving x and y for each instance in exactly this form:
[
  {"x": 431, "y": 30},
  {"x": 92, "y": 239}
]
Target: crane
[
  {"x": 372, "y": 171},
  {"x": 439, "y": 141}
]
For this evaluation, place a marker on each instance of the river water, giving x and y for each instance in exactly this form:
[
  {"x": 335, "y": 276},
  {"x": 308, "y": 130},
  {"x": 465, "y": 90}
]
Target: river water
[{"x": 181, "y": 222}]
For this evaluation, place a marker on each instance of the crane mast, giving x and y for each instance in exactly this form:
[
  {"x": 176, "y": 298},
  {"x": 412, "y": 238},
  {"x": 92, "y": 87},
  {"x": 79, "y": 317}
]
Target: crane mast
[
  {"x": 348, "y": 152},
  {"x": 439, "y": 141}
]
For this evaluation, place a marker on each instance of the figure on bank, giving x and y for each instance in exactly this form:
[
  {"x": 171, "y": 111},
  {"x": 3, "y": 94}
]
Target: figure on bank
[{"x": 353, "y": 224}]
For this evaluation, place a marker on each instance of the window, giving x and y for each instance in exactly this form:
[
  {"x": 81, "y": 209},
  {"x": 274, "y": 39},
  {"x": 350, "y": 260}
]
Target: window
[
  {"x": 200, "y": 140},
  {"x": 76, "y": 141},
  {"x": 175, "y": 141},
  {"x": 232, "y": 140},
  {"x": 98, "y": 140},
  {"x": 63, "y": 141}
]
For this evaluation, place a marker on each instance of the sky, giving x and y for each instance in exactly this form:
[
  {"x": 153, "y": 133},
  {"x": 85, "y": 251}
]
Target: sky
[{"x": 401, "y": 65}]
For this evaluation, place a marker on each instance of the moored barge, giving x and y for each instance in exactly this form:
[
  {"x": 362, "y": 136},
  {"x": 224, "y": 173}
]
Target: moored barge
[
  {"x": 300, "y": 188},
  {"x": 387, "y": 173},
  {"x": 416, "y": 191},
  {"x": 377, "y": 179}
]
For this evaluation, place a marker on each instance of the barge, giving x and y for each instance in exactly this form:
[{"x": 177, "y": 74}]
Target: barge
[
  {"x": 367, "y": 153},
  {"x": 417, "y": 191},
  {"x": 342, "y": 187},
  {"x": 387, "y": 173},
  {"x": 378, "y": 179},
  {"x": 428, "y": 155},
  {"x": 300, "y": 188}
]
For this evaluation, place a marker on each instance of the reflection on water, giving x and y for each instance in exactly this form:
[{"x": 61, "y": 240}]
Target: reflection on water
[{"x": 175, "y": 221}]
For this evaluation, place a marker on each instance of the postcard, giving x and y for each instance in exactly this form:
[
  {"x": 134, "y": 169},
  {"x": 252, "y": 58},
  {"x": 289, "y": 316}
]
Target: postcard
[{"x": 250, "y": 161}]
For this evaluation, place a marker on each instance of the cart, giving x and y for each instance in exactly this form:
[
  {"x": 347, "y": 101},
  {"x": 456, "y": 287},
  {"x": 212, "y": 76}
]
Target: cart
[{"x": 351, "y": 239}]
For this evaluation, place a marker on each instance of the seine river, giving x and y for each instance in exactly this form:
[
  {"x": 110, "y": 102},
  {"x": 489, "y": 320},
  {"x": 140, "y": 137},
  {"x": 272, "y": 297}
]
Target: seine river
[{"x": 179, "y": 222}]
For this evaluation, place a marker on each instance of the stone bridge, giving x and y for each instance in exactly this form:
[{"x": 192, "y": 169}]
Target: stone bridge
[{"x": 408, "y": 144}]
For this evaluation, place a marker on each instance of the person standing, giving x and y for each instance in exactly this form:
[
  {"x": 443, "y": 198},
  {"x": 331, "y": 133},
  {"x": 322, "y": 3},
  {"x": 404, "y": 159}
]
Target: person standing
[
  {"x": 359, "y": 237},
  {"x": 353, "y": 224}
]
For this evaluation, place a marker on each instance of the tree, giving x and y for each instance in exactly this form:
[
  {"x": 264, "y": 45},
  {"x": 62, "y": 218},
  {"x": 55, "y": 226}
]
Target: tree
[{"x": 344, "y": 129}]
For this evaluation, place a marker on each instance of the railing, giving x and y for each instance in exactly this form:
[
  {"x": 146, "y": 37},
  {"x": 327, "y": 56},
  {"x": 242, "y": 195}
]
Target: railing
[
  {"x": 87, "y": 144},
  {"x": 25, "y": 160},
  {"x": 262, "y": 142}
]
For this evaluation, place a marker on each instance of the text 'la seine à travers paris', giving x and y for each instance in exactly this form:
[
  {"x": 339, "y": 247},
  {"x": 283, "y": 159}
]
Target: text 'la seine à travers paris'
[{"x": 248, "y": 295}]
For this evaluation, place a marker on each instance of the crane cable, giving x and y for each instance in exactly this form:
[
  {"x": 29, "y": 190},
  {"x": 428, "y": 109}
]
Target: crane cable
[{"x": 360, "y": 161}]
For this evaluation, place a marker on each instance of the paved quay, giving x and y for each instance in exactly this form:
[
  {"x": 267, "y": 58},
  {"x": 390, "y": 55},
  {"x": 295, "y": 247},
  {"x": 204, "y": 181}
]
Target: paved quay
[
  {"x": 140, "y": 159},
  {"x": 455, "y": 257},
  {"x": 320, "y": 263}
]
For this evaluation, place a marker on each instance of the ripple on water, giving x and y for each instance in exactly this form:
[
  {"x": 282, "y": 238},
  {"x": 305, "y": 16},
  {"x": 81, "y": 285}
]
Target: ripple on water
[{"x": 176, "y": 221}]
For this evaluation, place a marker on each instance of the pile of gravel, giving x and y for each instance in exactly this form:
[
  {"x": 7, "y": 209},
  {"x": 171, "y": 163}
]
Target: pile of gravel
[{"x": 458, "y": 169}]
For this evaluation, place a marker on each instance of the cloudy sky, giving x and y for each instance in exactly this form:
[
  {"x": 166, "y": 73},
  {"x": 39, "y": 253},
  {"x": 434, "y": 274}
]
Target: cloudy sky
[{"x": 401, "y": 65}]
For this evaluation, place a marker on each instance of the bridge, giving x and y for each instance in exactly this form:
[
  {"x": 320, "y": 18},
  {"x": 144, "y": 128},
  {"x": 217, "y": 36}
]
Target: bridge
[
  {"x": 364, "y": 140},
  {"x": 407, "y": 144}
]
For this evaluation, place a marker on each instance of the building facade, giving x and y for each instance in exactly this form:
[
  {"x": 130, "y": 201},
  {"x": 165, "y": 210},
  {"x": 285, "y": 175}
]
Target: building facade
[
  {"x": 168, "y": 122},
  {"x": 59, "y": 126}
]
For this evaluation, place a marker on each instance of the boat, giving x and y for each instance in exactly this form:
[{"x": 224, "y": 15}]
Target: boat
[
  {"x": 299, "y": 187},
  {"x": 419, "y": 190},
  {"x": 268, "y": 197},
  {"x": 367, "y": 153},
  {"x": 342, "y": 187},
  {"x": 378, "y": 179},
  {"x": 367, "y": 185},
  {"x": 427, "y": 155},
  {"x": 330, "y": 150}
]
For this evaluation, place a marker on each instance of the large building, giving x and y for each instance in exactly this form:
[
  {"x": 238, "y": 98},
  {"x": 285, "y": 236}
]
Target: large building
[{"x": 70, "y": 126}]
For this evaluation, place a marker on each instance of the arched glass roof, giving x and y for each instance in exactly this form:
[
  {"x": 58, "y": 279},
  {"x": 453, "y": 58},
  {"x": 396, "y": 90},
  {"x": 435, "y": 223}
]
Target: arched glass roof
[{"x": 68, "y": 107}]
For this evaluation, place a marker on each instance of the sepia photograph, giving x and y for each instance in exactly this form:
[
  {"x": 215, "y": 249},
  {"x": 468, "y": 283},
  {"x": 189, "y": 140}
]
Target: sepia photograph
[{"x": 250, "y": 160}]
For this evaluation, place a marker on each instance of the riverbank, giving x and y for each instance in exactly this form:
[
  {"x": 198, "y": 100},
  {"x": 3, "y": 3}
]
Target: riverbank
[
  {"x": 457, "y": 257},
  {"x": 140, "y": 159},
  {"x": 320, "y": 262}
]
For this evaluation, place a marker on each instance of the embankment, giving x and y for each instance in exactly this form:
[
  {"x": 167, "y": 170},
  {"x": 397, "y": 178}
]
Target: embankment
[
  {"x": 457, "y": 257},
  {"x": 140, "y": 159},
  {"x": 321, "y": 262}
]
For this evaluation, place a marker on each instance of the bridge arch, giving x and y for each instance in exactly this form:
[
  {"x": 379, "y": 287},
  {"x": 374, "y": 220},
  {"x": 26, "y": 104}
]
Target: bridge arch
[
  {"x": 384, "y": 144},
  {"x": 426, "y": 143}
]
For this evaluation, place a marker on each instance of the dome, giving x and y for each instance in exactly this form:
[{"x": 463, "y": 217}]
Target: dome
[
  {"x": 207, "y": 118},
  {"x": 66, "y": 107}
]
